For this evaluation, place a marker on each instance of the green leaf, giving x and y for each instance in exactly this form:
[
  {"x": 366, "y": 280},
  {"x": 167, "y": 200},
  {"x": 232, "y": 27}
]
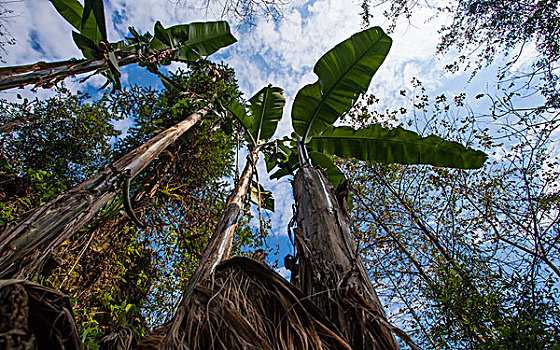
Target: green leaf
[
  {"x": 378, "y": 144},
  {"x": 113, "y": 64},
  {"x": 98, "y": 14},
  {"x": 161, "y": 38},
  {"x": 344, "y": 73},
  {"x": 266, "y": 108},
  {"x": 333, "y": 172},
  {"x": 88, "y": 47},
  {"x": 240, "y": 113},
  {"x": 266, "y": 196},
  {"x": 191, "y": 41},
  {"x": 281, "y": 155},
  {"x": 72, "y": 11},
  {"x": 205, "y": 38}
]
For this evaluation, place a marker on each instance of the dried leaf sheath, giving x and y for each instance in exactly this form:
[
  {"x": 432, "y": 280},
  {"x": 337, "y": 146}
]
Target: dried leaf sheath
[{"x": 248, "y": 306}]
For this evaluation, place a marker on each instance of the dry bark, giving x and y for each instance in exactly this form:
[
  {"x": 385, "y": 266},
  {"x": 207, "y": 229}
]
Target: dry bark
[
  {"x": 46, "y": 74},
  {"x": 330, "y": 270},
  {"x": 26, "y": 243}
]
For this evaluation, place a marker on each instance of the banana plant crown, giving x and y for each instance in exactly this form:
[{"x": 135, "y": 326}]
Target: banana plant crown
[
  {"x": 182, "y": 43},
  {"x": 344, "y": 73},
  {"x": 259, "y": 119}
]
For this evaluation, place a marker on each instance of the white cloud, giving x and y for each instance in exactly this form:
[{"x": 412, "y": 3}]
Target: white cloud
[{"x": 284, "y": 272}]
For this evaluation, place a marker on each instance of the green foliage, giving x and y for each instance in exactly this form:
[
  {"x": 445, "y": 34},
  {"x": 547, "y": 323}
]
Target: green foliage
[
  {"x": 189, "y": 42},
  {"x": 378, "y": 144},
  {"x": 182, "y": 43},
  {"x": 344, "y": 73},
  {"x": 266, "y": 108},
  {"x": 90, "y": 27},
  {"x": 49, "y": 146}
]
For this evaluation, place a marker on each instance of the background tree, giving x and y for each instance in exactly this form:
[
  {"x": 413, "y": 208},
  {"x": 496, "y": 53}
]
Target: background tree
[
  {"x": 483, "y": 31},
  {"x": 495, "y": 223}
]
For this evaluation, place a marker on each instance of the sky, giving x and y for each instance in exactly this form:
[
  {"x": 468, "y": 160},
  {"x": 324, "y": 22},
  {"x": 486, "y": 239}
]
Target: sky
[{"x": 281, "y": 53}]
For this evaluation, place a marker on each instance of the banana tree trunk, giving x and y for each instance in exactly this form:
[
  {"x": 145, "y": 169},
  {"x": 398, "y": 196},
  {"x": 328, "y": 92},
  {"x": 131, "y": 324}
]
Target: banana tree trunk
[
  {"x": 26, "y": 243},
  {"x": 46, "y": 74},
  {"x": 330, "y": 269},
  {"x": 218, "y": 249}
]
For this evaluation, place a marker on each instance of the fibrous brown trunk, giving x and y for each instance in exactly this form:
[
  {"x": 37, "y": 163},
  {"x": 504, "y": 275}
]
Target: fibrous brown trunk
[
  {"x": 46, "y": 74},
  {"x": 330, "y": 270},
  {"x": 218, "y": 249},
  {"x": 26, "y": 243}
]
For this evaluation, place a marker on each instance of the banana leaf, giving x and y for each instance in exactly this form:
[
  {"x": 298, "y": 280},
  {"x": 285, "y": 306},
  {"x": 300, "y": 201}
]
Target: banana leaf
[
  {"x": 382, "y": 145},
  {"x": 344, "y": 73}
]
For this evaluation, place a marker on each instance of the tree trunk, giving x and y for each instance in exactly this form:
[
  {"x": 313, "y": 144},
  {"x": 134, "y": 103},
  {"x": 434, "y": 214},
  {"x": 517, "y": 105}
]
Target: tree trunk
[
  {"x": 330, "y": 270},
  {"x": 26, "y": 243},
  {"x": 218, "y": 249},
  {"x": 46, "y": 74}
]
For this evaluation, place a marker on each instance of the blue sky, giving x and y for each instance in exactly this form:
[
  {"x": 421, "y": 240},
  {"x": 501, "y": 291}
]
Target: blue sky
[{"x": 281, "y": 53}]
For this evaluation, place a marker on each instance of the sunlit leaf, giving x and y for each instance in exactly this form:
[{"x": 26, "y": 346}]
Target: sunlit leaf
[
  {"x": 344, "y": 73},
  {"x": 379, "y": 144}
]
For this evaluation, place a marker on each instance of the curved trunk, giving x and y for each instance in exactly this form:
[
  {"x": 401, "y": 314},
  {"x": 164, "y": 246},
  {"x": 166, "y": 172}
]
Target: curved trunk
[
  {"x": 330, "y": 269},
  {"x": 218, "y": 249},
  {"x": 26, "y": 243},
  {"x": 46, "y": 74}
]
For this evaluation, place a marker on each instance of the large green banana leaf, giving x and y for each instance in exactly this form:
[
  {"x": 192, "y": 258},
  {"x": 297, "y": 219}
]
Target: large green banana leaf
[
  {"x": 95, "y": 6},
  {"x": 378, "y": 144},
  {"x": 72, "y": 11},
  {"x": 344, "y": 73},
  {"x": 191, "y": 41},
  {"x": 266, "y": 108}
]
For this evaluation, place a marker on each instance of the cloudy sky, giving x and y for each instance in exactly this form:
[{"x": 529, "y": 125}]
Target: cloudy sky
[{"x": 281, "y": 53}]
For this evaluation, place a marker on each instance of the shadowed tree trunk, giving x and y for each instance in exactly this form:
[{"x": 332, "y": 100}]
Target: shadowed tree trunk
[
  {"x": 36, "y": 317},
  {"x": 330, "y": 270},
  {"x": 26, "y": 243}
]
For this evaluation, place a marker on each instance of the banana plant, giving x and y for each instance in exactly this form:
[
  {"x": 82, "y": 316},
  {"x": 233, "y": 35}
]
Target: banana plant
[
  {"x": 327, "y": 256},
  {"x": 259, "y": 120},
  {"x": 180, "y": 43},
  {"x": 344, "y": 73}
]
